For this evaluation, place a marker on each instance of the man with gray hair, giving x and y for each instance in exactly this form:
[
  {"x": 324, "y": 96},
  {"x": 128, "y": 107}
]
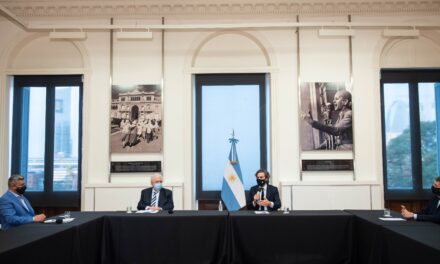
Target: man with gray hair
[
  {"x": 15, "y": 209},
  {"x": 156, "y": 197}
]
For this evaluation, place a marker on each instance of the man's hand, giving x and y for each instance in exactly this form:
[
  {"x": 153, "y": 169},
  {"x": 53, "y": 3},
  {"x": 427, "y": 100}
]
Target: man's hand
[
  {"x": 153, "y": 208},
  {"x": 264, "y": 202},
  {"x": 256, "y": 197},
  {"x": 405, "y": 213},
  {"x": 306, "y": 117},
  {"x": 39, "y": 218}
]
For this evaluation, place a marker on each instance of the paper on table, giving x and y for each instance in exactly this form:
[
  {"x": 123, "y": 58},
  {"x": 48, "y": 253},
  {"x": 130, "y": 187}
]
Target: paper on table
[
  {"x": 53, "y": 221},
  {"x": 147, "y": 211},
  {"x": 391, "y": 219},
  {"x": 261, "y": 212}
]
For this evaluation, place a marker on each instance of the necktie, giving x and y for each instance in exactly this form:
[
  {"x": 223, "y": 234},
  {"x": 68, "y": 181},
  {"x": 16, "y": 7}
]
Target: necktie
[
  {"x": 261, "y": 208},
  {"x": 154, "y": 199},
  {"x": 24, "y": 203}
]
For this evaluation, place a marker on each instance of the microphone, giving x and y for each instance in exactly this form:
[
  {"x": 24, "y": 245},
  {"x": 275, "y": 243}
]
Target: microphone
[
  {"x": 59, "y": 220},
  {"x": 170, "y": 211}
]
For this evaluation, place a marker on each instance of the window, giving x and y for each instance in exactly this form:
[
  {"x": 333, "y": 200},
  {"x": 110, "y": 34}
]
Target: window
[
  {"x": 47, "y": 138},
  {"x": 410, "y": 107},
  {"x": 224, "y": 102}
]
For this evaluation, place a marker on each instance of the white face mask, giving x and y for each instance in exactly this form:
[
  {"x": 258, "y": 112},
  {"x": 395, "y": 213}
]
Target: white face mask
[{"x": 157, "y": 186}]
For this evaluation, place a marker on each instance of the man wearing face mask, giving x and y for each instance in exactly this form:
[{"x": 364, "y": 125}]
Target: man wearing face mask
[
  {"x": 263, "y": 196},
  {"x": 432, "y": 211},
  {"x": 15, "y": 209},
  {"x": 156, "y": 197}
]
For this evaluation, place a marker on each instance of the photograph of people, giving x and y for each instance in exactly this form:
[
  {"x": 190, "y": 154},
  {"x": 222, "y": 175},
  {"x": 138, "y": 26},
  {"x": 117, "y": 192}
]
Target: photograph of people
[
  {"x": 136, "y": 119},
  {"x": 330, "y": 122},
  {"x": 263, "y": 196}
]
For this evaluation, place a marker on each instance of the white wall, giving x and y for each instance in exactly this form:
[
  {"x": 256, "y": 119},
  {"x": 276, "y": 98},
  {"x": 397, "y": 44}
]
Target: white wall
[{"x": 199, "y": 51}]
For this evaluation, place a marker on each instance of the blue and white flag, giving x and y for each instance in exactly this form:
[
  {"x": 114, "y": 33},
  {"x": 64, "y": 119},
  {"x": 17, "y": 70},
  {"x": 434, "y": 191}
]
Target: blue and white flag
[{"x": 233, "y": 189}]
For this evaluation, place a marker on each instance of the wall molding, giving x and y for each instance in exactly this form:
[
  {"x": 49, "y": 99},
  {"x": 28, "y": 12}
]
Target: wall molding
[{"x": 149, "y": 8}]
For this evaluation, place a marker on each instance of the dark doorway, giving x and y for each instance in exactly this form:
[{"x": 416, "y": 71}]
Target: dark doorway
[{"x": 134, "y": 112}]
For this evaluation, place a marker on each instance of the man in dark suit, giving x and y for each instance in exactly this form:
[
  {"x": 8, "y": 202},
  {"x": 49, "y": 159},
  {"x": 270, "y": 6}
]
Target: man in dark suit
[
  {"x": 432, "y": 211},
  {"x": 15, "y": 209},
  {"x": 263, "y": 196},
  {"x": 156, "y": 197}
]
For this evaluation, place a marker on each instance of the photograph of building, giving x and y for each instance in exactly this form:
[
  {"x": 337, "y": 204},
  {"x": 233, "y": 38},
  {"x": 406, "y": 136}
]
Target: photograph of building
[{"x": 136, "y": 119}]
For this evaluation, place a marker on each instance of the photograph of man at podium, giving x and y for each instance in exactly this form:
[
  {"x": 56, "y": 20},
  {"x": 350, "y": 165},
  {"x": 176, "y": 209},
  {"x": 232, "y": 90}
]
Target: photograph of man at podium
[
  {"x": 156, "y": 197},
  {"x": 263, "y": 196},
  {"x": 15, "y": 209}
]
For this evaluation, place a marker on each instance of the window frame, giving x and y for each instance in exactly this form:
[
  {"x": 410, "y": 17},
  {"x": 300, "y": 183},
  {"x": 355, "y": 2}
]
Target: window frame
[
  {"x": 47, "y": 197},
  {"x": 259, "y": 79},
  {"x": 412, "y": 77}
]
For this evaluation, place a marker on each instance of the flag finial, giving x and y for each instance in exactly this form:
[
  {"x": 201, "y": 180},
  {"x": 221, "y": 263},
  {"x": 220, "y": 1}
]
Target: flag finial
[{"x": 233, "y": 141}]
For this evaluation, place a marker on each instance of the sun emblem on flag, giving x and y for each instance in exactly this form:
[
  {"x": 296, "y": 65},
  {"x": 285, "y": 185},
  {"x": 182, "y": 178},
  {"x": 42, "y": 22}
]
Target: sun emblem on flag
[
  {"x": 233, "y": 162},
  {"x": 232, "y": 177}
]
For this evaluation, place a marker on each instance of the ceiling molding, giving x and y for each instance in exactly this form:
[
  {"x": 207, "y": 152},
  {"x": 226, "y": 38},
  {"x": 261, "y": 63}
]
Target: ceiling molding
[{"x": 151, "y": 8}]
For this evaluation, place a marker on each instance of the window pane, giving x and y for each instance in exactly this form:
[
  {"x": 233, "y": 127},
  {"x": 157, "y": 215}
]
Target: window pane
[
  {"x": 225, "y": 108},
  {"x": 65, "y": 170},
  {"x": 33, "y": 137},
  {"x": 428, "y": 132},
  {"x": 398, "y": 136}
]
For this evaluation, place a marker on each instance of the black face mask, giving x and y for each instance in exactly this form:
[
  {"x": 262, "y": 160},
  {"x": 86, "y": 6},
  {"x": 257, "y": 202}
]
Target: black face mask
[
  {"x": 435, "y": 190},
  {"x": 261, "y": 183},
  {"x": 21, "y": 190}
]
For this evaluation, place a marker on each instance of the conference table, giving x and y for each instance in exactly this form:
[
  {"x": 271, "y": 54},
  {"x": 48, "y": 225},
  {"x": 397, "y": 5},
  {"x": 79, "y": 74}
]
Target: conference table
[
  {"x": 387, "y": 242},
  {"x": 351, "y": 236},
  {"x": 75, "y": 242},
  {"x": 297, "y": 237}
]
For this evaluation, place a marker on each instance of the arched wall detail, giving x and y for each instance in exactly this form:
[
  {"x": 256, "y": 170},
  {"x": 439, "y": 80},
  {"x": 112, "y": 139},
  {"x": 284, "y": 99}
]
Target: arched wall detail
[
  {"x": 263, "y": 46},
  {"x": 13, "y": 51},
  {"x": 430, "y": 39}
]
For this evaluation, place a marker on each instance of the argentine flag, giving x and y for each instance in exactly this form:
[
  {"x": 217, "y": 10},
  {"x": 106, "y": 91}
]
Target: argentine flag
[{"x": 233, "y": 189}]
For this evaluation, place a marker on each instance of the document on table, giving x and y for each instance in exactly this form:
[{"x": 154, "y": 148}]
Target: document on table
[
  {"x": 147, "y": 211},
  {"x": 261, "y": 212},
  {"x": 391, "y": 219},
  {"x": 63, "y": 221}
]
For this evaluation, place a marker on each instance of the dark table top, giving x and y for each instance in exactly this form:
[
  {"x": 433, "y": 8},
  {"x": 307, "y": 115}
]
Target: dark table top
[
  {"x": 29, "y": 233},
  {"x": 373, "y": 216},
  {"x": 299, "y": 235}
]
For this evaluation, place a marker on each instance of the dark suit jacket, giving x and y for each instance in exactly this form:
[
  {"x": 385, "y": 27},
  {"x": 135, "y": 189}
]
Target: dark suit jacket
[
  {"x": 12, "y": 211},
  {"x": 165, "y": 199},
  {"x": 271, "y": 195},
  {"x": 431, "y": 212}
]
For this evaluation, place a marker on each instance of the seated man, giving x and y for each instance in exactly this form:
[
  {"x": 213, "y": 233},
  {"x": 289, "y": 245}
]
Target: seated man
[
  {"x": 156, "y": 197},
  {"x": 263, "y": 197},
  {"x": 432, "y": 211},
  {"x": 15, "y": 209}
]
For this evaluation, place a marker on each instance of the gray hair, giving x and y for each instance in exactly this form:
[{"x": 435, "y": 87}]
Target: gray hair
[
  {"x": 156, "y": 175},
  {"x": 13, "y": 179}
]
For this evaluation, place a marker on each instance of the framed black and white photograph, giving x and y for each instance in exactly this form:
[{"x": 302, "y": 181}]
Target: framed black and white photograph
[
  {"x": 325, "y": 116},
  {"x": 136, "y": 119}
]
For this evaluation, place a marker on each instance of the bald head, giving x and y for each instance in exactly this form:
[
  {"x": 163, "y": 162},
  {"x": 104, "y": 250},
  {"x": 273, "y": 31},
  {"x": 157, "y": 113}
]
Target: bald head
[
  {"x": 342, "y": 100},
  {"x": 345, "y": 94}
]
